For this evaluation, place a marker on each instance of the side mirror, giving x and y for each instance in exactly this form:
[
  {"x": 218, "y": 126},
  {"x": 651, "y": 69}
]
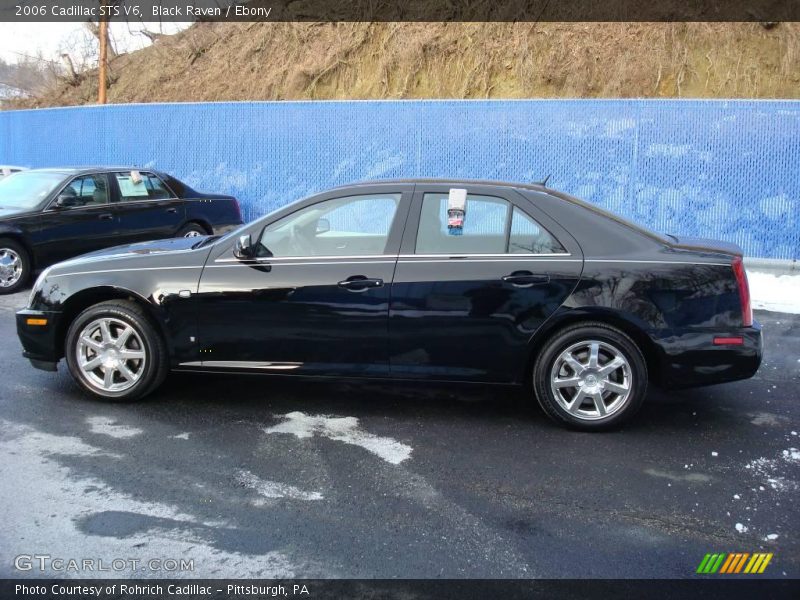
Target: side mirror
[
  {"x": 244, "y": 249},
  {"x": 323, "y": 226},
  {"x": 66, "y": 201}
]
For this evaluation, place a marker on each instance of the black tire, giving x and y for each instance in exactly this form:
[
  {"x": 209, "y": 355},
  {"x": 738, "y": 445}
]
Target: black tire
[
  {"x": 10, "y": 248},
  {"x": 610, "y": 340},
  {"x": 191, "y": 230},
  {"x": 149, "y": 341}
]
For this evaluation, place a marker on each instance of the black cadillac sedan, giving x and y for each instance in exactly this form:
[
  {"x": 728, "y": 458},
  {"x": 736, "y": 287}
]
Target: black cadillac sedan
[
  {"x": 48, "y": 215},
  {"x": 417, "y": 279}
]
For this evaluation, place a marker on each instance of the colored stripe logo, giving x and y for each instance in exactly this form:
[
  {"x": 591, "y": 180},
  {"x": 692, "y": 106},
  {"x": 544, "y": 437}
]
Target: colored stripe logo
[{"x": 735, "y": 562}]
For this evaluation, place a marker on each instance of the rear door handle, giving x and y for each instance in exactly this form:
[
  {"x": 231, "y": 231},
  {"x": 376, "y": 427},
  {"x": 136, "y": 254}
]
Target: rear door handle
[
  {"x": 525, "y": 279},
  {"x": 359, "y": 283},
  {"x": 106, "y": 217},
  {"x": 172, "y": 210}
]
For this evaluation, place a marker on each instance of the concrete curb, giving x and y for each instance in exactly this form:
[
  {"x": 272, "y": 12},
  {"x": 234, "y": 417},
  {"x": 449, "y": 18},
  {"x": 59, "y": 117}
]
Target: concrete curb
[{"x": 772, "y": 265}]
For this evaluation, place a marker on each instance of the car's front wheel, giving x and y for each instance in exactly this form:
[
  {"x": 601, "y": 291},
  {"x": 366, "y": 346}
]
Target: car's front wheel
[
  {"x": 115, "y": 352},
  {"x": 15, "y": 266},
  {"x": 590, "y": 376}
]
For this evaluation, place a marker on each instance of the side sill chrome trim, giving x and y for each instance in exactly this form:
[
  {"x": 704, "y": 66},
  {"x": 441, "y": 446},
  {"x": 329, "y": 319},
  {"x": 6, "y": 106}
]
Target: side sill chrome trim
[
  {"x": 199, "y": 267},
  {"x": 519, "y": 255},
  {"x": 276, "y": 259},
  {"x": 457, "y": 261},
  {"x": 393, "y": 257},
  {"x": 244, "y": 364},
  {"x": 300, "y": 264},
  {"x": 655, "y": 262}
]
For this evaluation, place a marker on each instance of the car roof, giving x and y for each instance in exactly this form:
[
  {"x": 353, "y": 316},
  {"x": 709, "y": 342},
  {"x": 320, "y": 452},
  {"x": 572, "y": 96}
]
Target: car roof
[
  {"x": 538, "y": 187},
  {"x": 91, "y": 169}
]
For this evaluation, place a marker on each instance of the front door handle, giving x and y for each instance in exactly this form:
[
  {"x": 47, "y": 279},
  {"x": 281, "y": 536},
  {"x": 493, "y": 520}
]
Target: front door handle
[
  {"x": 106, "y": 217},
  {"x": 525, "y": 279},
  {"x": 172, "y": 210},
  {"x": 359, "y": 283}
]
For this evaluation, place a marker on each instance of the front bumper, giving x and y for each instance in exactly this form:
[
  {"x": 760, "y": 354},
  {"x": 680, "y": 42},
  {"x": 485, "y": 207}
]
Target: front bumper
[
  {"x": 38, "y": 333},
  {"x": 691, "y": 359}
]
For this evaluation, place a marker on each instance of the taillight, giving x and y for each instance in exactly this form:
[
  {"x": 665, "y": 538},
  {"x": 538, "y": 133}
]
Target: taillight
[{"x": 744, "y": 291}]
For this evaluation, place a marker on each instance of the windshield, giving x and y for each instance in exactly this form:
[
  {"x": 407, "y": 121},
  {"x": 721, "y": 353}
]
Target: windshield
[{"x": 28, "y": 188}]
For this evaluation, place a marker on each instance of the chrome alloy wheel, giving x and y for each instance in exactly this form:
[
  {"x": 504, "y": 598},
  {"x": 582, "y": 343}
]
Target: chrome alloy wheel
[
  {"x": 110, "y": 355},
  {"x": 591, "y": 380},
  {"x": 192, "y": 233},
  {"x": 10, "y": 267}
]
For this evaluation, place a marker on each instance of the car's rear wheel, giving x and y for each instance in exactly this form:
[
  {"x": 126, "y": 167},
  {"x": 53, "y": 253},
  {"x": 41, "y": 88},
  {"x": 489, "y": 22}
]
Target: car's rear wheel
[
  {"x": 115, "y": 352},
  {"x": 590, "y": 376},
  {"x": 15, "y": 266},
  {"x": 192, "y": 230}
]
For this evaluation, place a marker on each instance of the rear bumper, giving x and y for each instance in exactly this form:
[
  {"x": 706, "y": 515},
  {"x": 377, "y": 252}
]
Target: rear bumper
[
  {"x": 692, "y": 359},
  {"x": 37, "y": 332}
]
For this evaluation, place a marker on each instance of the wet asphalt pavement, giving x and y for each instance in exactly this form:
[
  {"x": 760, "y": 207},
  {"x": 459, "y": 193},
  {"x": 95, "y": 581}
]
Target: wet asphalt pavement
[{"x": 267, "y": 477}]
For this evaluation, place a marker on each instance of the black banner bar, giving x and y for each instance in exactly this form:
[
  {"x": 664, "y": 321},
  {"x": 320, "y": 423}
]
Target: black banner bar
[
  {"x": 399, "y": 10},
  {"x": 418, "y": 589}
]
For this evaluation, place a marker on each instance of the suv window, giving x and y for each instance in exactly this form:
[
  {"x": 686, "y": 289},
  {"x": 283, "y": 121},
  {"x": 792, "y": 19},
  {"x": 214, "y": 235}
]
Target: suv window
[
  {"x": 485, "y": 229},
  {"x": 135, "y": 187},
  {"x": 353, "y": 225},
  {"x": 87, "y": 190}
]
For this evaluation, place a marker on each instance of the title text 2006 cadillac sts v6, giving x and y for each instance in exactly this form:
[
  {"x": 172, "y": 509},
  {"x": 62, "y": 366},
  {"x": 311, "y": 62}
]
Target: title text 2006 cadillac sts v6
[{"x": 413, "y": 279}]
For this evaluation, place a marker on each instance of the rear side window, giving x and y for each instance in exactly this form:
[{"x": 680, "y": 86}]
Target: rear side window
[
  {"x": 491, "y": 225},
  {"x": 135, "y": 187},
  {"x": 528, "y": 237}
]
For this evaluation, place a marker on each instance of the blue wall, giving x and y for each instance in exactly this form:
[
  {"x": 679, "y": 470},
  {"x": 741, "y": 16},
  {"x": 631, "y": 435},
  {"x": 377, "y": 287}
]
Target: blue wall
[{"x": 724, "y": 169}]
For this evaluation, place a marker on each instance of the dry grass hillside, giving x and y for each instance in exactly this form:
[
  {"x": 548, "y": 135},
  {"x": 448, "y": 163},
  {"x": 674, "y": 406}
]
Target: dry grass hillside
[{"x": 282, "y": 61}]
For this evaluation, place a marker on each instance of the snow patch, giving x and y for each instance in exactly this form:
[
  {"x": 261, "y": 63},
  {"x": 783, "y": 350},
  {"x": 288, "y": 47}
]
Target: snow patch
[
  {"x": 741, "y": 528},
  {"x": 181, "y": 436},
  {"x": 109, "y": 427},
  {"x": 779, "y": 293},
  {"x": 341, "y": 429},
  {"x": 272, "y": 489}
]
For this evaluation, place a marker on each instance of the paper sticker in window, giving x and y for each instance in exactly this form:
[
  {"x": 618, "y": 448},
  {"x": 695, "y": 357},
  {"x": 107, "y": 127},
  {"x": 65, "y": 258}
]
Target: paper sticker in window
[
  {"x": 456, "y": 211},
  {"x": 130, "y": 187}
]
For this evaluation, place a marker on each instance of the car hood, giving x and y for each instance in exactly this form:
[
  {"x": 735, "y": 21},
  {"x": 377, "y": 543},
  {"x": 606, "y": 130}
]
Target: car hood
[
  {"x": 135, "y": 252},
  {"x": 10, "y": 211}
]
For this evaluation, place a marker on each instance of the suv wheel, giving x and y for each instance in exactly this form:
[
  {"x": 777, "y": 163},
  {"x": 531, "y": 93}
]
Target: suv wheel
[
  {"x": 590, "y": 377},
  {"x": 15, "y": 266},
  {"x": 114, "y": 351}
]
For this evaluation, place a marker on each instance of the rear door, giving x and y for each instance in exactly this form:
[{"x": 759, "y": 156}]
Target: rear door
[
  {"x": 146, "y": 207},
  {"x": 467, "y": 300}
]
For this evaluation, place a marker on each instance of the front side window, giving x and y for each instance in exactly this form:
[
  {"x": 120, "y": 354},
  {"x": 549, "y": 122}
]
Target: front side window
[
  {"x": 349, "y": 226},
  {"x": 486, "y": 229},
  {"x": 88, "y": 190},
  {"x": 135, "y": 187}
]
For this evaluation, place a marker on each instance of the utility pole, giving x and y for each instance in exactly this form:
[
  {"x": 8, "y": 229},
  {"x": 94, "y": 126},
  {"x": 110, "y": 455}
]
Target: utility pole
[{"x": 102, "y": 77}]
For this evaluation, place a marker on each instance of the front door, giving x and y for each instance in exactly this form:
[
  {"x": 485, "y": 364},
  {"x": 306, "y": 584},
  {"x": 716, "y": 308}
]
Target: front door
[
  {"x": 83, "y": 223},
  {"x": 316, "y": 300},
  {"x": 471, "y": 288}
]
